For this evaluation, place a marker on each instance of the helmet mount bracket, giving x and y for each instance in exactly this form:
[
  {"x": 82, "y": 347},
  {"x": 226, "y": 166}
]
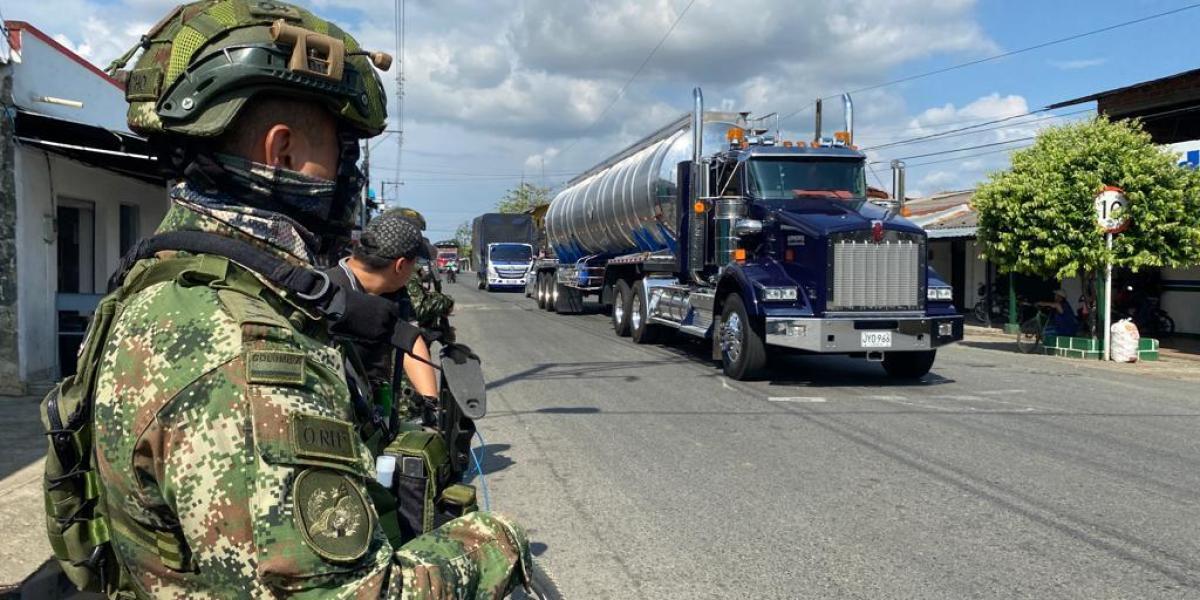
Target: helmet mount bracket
[{"x": 313, "y": 53}]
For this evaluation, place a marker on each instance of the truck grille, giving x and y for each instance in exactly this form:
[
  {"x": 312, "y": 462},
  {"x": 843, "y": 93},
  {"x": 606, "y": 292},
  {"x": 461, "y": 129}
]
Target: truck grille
[
  {"x": 510, "y": 274},
  {"x": 887, "y": 275}
]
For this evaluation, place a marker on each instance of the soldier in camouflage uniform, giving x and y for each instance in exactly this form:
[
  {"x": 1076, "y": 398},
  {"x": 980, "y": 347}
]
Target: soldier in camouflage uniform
[
  {"x": 225, "y": 442},
  {"x": 430, "y": 306}
]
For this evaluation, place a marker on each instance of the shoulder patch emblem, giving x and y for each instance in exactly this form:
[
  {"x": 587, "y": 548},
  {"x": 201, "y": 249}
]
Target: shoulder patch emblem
[
  {"x": 275, "y": 367},
  {"x": 332, "y": 515}
]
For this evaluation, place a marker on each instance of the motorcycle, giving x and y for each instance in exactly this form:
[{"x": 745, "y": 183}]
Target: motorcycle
[{"x": 451, "y": 275}]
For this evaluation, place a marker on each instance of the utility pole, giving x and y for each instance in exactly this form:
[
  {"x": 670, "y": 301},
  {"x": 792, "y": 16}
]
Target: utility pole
[{"x": 364, "y": 201}]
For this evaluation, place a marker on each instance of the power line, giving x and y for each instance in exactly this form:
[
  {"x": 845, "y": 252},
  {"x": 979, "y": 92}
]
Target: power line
[
  {"x": 1165, "y": 113},
  {"x": 973, "y": 129},
  {"x": 1006, "y": 54},
  {"x": 967, "y": 157},
  {"x": 621, "y": 92},
  {"x": 963, "y": 149}
]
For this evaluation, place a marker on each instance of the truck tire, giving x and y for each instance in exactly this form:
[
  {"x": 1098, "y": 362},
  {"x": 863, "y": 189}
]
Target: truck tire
[
  {"x": 479, "y": 283},
  {"x": 743, "y": 353},
  {"x": 539, "y": 290},
  {"x": 908, "y": 365},
  {"x": 551, "y": 293},
  {"x": 622, "y": 298},
  {"x": 641, "y": 330}
]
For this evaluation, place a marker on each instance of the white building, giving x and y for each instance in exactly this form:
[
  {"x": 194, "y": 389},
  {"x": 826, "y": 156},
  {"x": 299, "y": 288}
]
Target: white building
[{"x": 76, "y": 190}]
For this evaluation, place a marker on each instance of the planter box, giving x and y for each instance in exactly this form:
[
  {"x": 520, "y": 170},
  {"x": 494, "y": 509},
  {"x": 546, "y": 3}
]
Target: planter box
[{"x": 1081, "y": 347}]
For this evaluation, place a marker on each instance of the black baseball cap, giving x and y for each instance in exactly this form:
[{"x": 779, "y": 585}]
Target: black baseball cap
[{"x": 392, "y": 236}]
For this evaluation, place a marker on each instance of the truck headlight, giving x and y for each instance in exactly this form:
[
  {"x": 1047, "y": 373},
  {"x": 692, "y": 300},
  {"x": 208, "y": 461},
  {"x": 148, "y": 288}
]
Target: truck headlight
[
  {"x": 779, "y": 293},
  {"x": 940, "y": 294}
]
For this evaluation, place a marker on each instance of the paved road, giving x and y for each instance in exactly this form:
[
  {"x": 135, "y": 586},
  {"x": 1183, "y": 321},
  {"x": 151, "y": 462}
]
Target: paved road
[{"x": 643, "y": 473}]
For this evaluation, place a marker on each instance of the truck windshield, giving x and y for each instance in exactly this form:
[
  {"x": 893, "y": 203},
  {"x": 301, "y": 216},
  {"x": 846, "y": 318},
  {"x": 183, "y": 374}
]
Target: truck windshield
[
  {"x": 512, "y": 253},
  {"x": 781, "y": 181}
]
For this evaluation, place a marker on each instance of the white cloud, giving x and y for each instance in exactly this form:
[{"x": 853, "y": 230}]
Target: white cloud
[
  {"x": 503, "y": 86},
  {"x": 1076, "y": 64}
]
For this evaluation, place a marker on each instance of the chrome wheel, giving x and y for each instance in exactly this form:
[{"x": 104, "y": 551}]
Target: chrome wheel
[
  {"x": 619, "y": 309},
  {"x": 635, "y": 313},
  {"x": 731, "y": 337}
]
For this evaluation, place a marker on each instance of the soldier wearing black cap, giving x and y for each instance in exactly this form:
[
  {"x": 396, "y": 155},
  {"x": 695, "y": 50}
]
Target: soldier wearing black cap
[{"x": 382, "y": 262}]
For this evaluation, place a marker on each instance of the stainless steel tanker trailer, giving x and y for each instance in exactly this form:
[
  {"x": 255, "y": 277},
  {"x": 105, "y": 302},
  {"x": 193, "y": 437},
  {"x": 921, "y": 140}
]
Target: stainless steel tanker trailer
[{"x": 715, "y": 228}]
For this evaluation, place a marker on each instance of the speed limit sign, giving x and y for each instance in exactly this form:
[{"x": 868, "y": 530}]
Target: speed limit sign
[{"x": 1111, "y": 210}]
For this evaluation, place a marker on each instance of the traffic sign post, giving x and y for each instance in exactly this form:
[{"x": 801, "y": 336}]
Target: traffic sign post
[{"x": 1112, "y": 218}]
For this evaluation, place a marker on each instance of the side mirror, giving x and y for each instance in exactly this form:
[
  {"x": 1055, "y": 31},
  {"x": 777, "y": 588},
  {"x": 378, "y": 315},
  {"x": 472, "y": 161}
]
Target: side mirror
[{"x": 744, "y": 227}]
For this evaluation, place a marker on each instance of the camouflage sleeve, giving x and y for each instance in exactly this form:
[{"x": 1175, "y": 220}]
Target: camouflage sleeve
[
  {"x": 429, "y": 306},
  {"x": 250, "y": 455}
]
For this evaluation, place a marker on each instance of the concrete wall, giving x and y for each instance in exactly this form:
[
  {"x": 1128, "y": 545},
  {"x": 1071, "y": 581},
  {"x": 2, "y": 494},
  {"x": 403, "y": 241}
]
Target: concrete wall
[
  {"x": 43, "y": 69},
  {"x": 10, "y": 381},
  {"x": 43, "y": 179}
]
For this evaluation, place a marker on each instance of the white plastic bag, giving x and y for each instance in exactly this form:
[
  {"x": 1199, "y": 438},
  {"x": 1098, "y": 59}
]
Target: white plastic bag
[{"x": 1125, "y": 339}]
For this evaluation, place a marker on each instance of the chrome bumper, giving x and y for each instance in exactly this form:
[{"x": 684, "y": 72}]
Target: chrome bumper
[{"x": 839, "y": 336}]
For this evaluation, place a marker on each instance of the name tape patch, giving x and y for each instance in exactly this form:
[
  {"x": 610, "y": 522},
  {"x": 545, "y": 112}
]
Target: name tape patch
[
  {"x": 275, "y": 366},
  {"x": 321, "y": 437}
]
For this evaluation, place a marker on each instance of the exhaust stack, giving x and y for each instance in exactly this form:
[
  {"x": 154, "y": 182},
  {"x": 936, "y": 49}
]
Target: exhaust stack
[
  {"x": 848, "y": 107},
  {"x": 817, "y": 125},
  {"x": 898, "y": 186}
]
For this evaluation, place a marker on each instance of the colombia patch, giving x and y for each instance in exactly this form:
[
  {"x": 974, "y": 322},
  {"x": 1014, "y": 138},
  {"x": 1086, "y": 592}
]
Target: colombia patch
[
  {"x": 275, "y": 367},
  {"x": 332, "y": 515}
]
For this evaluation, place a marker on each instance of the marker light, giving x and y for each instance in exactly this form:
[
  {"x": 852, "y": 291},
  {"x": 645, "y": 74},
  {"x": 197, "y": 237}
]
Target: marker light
[
  {"x": 699, "y": 206},
  {"x": 739, "y": 255}
]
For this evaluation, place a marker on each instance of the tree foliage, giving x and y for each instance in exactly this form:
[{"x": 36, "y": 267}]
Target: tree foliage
[
  {"x": 1038, "y": 218},
  {"x": 522, "y": 198},
  {"x": 462, "y": 235}
]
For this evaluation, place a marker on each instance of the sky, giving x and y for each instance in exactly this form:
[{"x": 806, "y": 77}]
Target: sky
[{"x": 503, "y": 91}]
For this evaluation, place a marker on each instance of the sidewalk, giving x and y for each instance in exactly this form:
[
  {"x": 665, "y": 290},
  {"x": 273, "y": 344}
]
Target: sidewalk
[
  {"x": 22, "y": 447},
  {"x": 1180, "y": 360}
]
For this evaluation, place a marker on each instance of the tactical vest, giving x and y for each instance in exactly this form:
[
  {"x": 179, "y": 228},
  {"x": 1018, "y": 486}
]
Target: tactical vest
[{"x": 76, "y": 517}]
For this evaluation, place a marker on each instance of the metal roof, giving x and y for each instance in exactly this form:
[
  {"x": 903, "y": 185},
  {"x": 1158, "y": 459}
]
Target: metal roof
[{"x": 1121, "y": 90}]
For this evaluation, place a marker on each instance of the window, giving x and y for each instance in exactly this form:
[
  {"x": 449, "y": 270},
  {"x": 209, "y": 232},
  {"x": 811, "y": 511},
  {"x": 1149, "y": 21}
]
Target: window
[
  {"x": 788, "y": 181},
  {"x": 129, "y": 227}
]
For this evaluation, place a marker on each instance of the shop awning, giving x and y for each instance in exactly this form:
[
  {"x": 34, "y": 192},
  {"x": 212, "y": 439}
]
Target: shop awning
[{"x": 115, "y": 151}]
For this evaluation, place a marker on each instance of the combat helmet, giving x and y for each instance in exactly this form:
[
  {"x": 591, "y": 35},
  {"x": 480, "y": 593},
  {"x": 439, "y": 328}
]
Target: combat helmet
[{"x": 203, "y": 62}]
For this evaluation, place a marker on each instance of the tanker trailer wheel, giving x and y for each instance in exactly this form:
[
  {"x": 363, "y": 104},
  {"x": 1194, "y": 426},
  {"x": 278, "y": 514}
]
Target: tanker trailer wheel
[
  {"x": 552, "y": 293},
  {"x": 743, "y": 354},
  {"x": 539, "y": 290},
  {"x": 620, "y": 308},
  {"x": 908, "y": 365},
  {"x": 548, "y": 292},
  {"x": 640, "y": 328}
]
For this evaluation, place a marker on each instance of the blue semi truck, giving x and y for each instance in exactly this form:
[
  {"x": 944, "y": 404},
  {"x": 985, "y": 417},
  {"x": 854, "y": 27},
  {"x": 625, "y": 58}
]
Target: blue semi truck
[{"x": 715, "y": 228}]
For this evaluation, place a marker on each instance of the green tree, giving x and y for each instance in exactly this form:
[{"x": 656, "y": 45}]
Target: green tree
[
  {"x": 522, "y": 198},
  {"x": 1038, "y": 218},
  {"x": 462, "y": 235}
]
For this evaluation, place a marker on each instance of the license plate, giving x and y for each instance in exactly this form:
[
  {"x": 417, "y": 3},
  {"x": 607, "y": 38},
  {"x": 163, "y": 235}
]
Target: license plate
[{"x": 876, "y": 339}]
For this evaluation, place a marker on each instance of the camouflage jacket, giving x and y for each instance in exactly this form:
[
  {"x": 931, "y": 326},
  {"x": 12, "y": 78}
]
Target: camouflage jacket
[
  {"x": 224, "y": 433},
  {"x": 430, "y": 305}
]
